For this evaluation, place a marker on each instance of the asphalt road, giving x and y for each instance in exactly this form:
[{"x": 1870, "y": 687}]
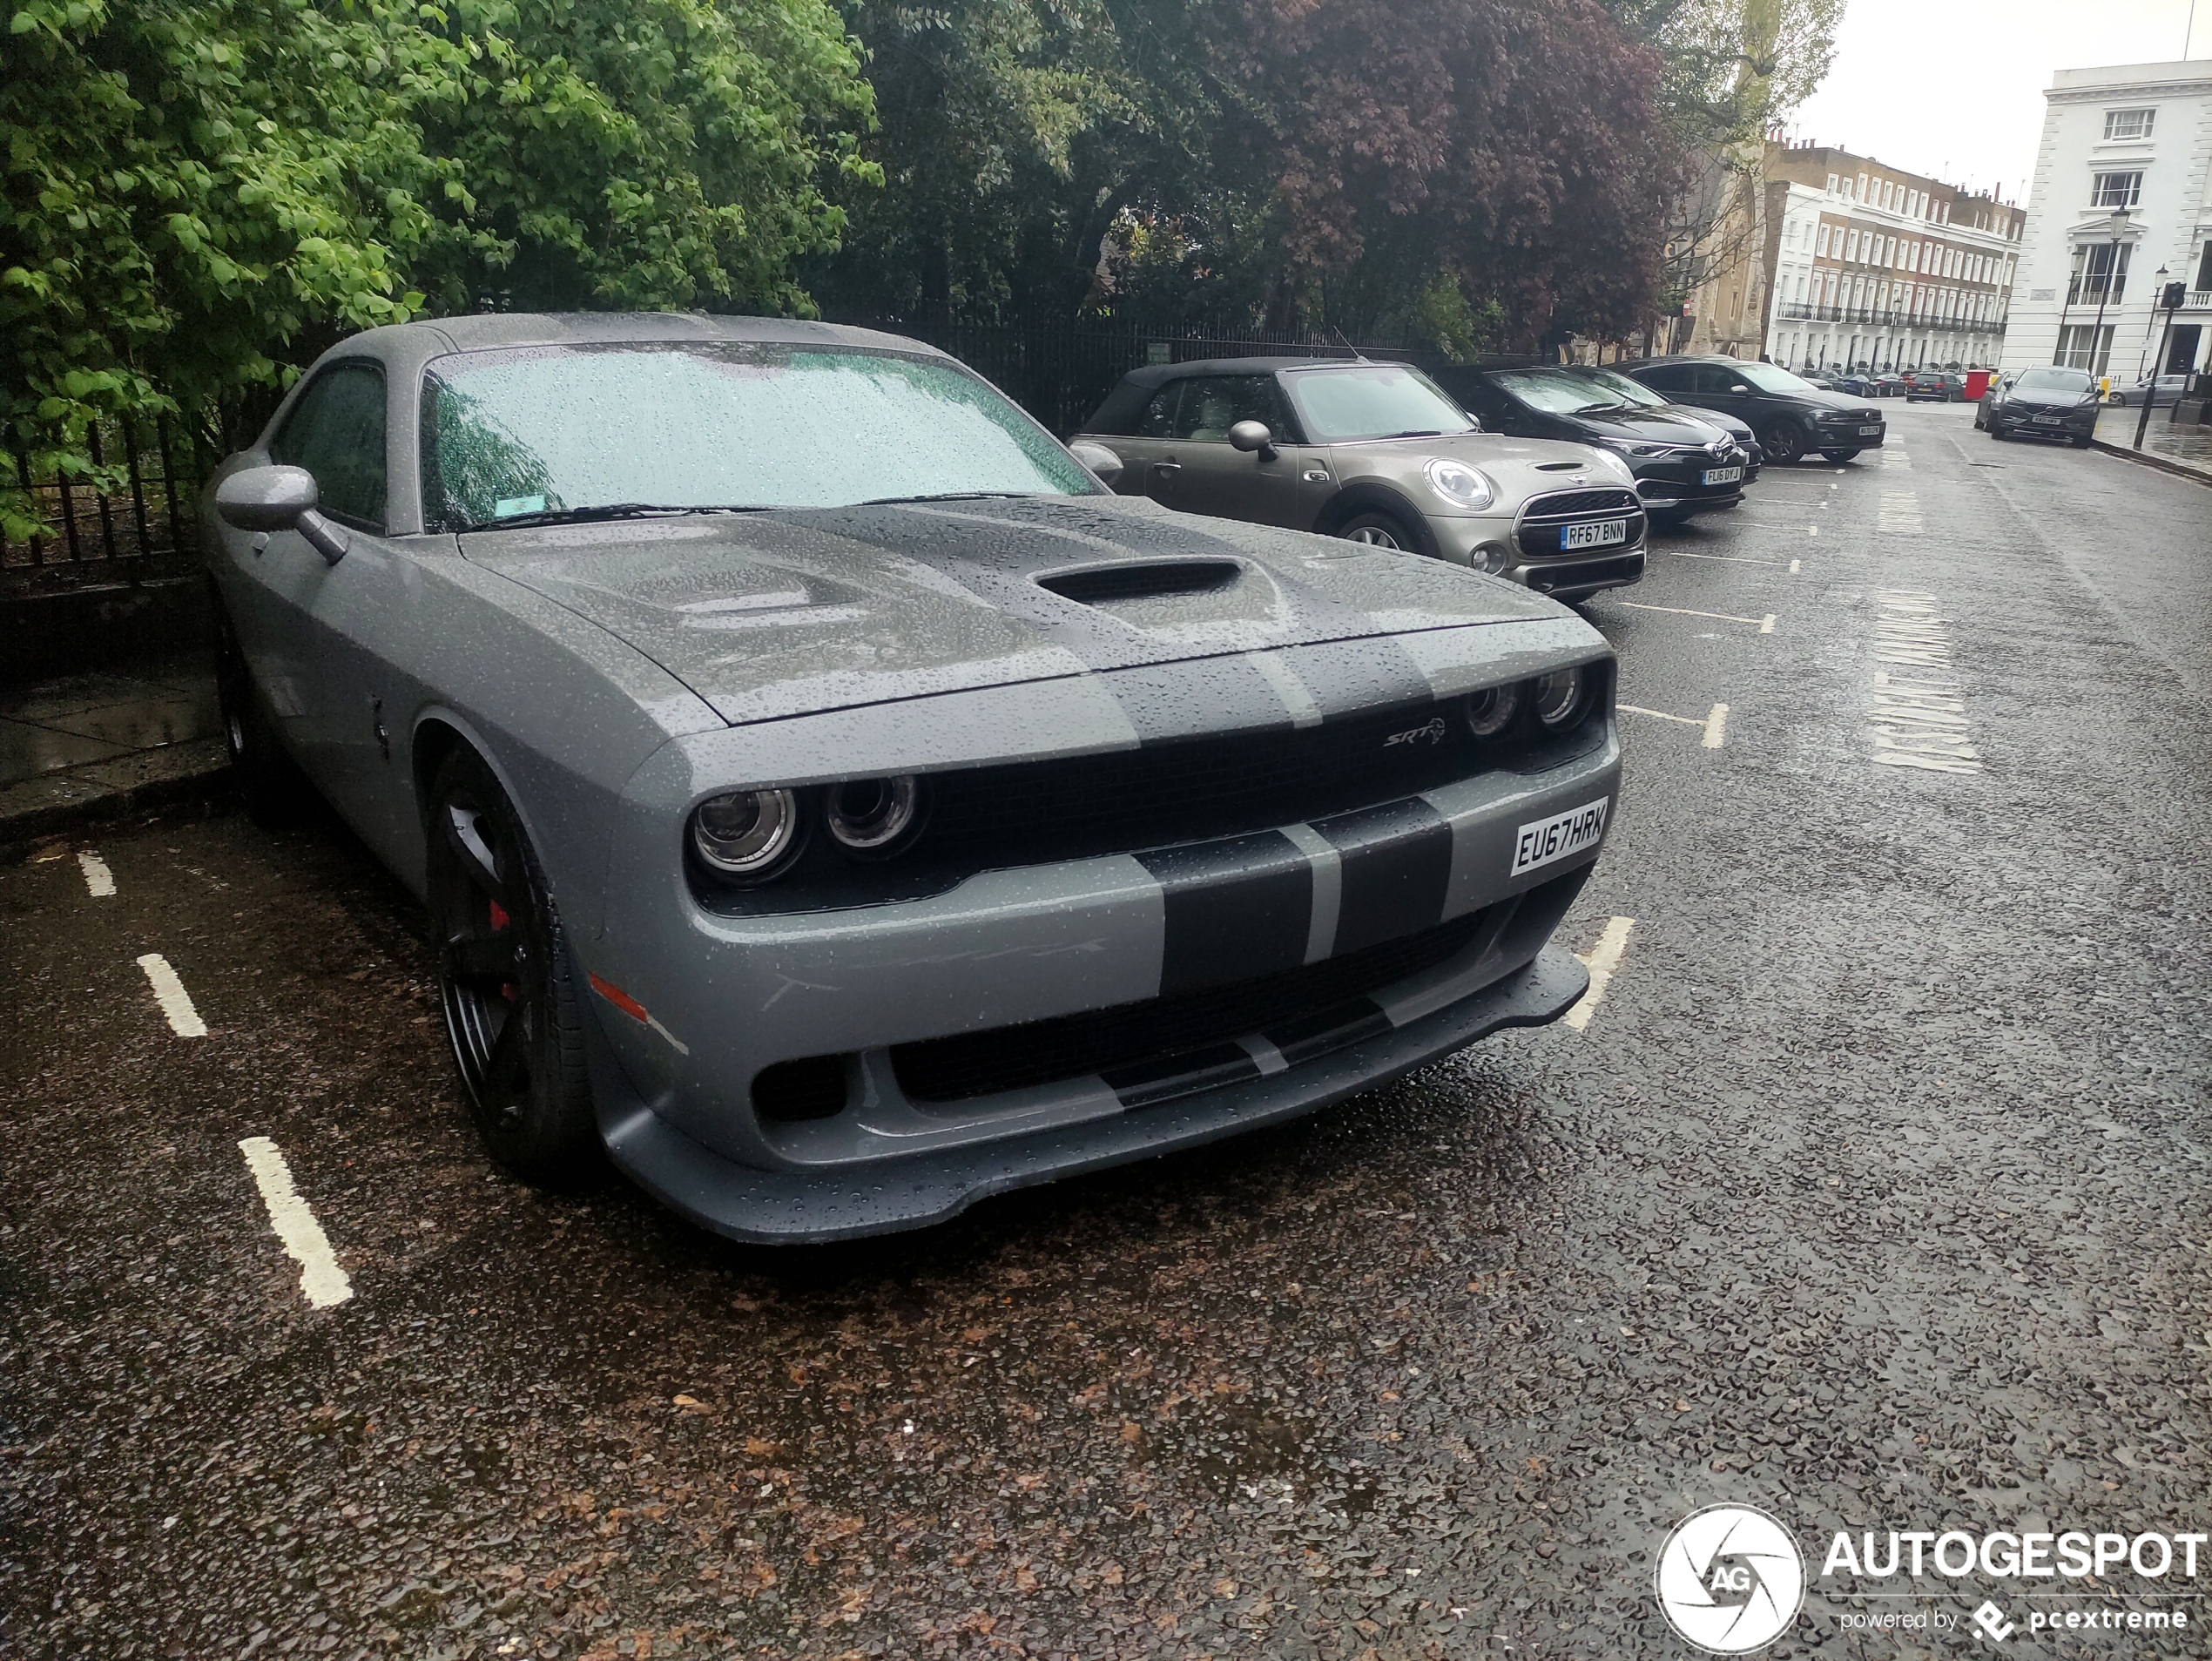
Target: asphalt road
[{"x": 1874, "y": 1193}]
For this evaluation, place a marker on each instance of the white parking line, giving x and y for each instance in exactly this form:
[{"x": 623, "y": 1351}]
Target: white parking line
[
  {"x": 1716, "y": 727},
  {"x": 1604, "y": 958},
  {"x": 1733, "y": 559},
  {"x": 99, "y": 882},
  {"x": 1794, "y": 567},
  {"x": 1765, "y": 625},
  {"x": 1661, "y": 715},
  {"x": 169, "y": 992},
  {"x": 320, "y": 1278}
]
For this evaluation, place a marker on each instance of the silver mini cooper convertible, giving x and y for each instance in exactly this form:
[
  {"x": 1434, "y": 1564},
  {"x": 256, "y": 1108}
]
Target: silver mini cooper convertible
[{"x": 837, "y": 805}]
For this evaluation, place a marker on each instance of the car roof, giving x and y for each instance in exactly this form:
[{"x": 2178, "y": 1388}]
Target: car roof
[
  {"x": 1158, "y": 374},
  {"x": 431, "y": 337}
]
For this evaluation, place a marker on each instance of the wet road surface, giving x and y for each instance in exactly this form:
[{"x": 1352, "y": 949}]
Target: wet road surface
[{"x": 1872, "y": 1192}]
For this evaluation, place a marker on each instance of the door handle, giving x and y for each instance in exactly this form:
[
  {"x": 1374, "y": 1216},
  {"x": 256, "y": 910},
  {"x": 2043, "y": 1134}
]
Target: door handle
[{"x": 1161, "y": 469}]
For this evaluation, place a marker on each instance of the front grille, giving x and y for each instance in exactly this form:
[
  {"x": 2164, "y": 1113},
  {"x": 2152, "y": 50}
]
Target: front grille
[
  {"x": 1188, "y": 790},
  {"x": 1543, "y": 519},
  {"x": 1310, "y": 1011}
]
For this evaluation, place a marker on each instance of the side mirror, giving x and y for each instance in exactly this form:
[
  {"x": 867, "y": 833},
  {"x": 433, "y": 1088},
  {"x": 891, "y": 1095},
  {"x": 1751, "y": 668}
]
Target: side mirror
[
  {"x": 280, "y": 498},
  {"x": 1739, "y": 387},
  {"x": 1253, "y": 436},
  {"x": 1100, "y": 460}
]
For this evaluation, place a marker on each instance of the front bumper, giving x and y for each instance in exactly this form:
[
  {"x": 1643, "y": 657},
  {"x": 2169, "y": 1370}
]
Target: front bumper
[
  {"x": 799, "y": 1206},
  {"x": 1829, "y": 436},
  {"x": 2071, "y": 423}
]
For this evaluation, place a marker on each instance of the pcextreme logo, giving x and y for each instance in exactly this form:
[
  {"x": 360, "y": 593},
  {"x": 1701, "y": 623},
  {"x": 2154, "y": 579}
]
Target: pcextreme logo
[{"x": 1730, "y": 1579}]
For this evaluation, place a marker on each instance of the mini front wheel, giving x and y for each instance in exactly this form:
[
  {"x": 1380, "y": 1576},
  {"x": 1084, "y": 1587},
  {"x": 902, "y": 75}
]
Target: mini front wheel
[
  {"x": 1379, "y": 528},
  {"x": 1839, "y": 455}
]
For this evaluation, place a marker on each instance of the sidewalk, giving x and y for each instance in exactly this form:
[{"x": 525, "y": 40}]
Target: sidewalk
[
  {"x": 2185, "y": 450},
  {"x": 91, "y": 746}
]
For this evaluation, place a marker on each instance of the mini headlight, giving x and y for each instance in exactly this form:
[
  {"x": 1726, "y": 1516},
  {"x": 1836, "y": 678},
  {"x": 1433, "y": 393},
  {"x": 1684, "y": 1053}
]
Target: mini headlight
[
  {"x": 1490, "y": 711},
  {"x": 1559, "y": 696},
  {"x": 1458, "y": 483},
  {"x": 1615, "y": 464},
  {"x": 749, "y": 834},
  {"x": 872, "y": 815}
]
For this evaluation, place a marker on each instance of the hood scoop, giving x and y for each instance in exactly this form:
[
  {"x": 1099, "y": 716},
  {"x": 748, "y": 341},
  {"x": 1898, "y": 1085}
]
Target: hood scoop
[
  {"x": 1562, "y": 467},
  {"x": 1142, "y": 580}
]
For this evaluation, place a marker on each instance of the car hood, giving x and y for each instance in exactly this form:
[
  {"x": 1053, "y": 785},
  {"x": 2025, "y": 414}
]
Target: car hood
[
  {"x": 1519, "y": 467},
  {"x": 766, "y": 616},
  {"x": 2050, "y": 397},
  {"x": 1855, "y": 401},
  {"x": 1648, "y": 426}
]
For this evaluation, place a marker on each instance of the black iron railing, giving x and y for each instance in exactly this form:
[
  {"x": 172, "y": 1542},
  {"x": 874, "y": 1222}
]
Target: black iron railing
[{"x": 85, "y": 533}]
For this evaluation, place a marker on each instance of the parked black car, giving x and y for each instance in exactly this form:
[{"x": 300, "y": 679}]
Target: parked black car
[
  {"x": 2041, "y": 404},
  {"x": 1792, "y": 417},
  {"x": 1935, "y": 386},
  {"x": 1890, "y": 385},
  {"x": 1635, "y": 392},
  {"x": 1684, "y": 464}
]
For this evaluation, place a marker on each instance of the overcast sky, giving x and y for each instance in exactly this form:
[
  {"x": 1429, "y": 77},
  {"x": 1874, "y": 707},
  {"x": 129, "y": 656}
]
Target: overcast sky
[{"x": 1954, "y": 88}]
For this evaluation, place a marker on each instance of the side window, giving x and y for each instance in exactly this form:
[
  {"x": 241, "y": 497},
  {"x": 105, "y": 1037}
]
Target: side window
[
  {"x": 1668, "y": 378},
  {"x": 1713, "y": 378},
  {"x": 1212, "y": 404},
  {"x": 1159, "y": 419},
  {"x": 337, "y": 432}
]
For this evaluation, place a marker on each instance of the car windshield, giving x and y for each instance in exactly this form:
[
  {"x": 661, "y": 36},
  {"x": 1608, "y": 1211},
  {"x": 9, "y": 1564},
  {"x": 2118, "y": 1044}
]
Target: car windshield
[
  {"x": 2056, "y": 380},
  {"x": 1556, "y": 392},
  {"x": 1341, "y": 405},
  {"x": 597, "y": 431},
  {"x": 1624, "y": 389},
  {"x": 1768, "y": 378}
]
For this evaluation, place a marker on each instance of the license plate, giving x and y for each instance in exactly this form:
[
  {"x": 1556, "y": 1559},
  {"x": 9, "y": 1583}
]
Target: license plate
[
  {"x": 1720, "y": 475},
  {"x": 1869, "y": 432},
  {"x": 1603, "y": 534},
  {"x": 1560, "y": 835},
  {"x": 2048, "y": 421}
]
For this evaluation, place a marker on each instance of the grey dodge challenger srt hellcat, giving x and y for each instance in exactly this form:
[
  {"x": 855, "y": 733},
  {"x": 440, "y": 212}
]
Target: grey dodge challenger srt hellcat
[{"x": 834, "y": 801}]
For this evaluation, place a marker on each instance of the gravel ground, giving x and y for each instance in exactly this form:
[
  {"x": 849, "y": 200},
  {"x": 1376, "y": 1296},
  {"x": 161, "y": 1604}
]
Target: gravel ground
[{"x": 1873, "y": 1194}]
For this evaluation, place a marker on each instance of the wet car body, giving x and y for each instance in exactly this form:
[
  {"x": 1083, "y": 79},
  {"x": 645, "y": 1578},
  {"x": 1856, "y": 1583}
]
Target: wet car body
[
  {"x": 2041, "y": 404},
  {"x": 1563, "y": 519},
  {"x": 1207, "y": 824},
  {"x": 1793, "y": 418},
  {"x": 1684, "y": 464}
]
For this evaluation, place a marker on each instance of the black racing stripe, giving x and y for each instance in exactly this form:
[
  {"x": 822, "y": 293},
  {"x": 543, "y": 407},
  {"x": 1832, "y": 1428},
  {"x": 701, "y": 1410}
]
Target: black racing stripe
[
  {"x": 1347, "y": 1024},
  {"x": 1352, "y": 676},
  {"x": 1397, "y": 869},
  {"x": 1143, "y": 1083},
  {"x": 1216, "y": 695},
  {"x": 1236, "y": 909}
]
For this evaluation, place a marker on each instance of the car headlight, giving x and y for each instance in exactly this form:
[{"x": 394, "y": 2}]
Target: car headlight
[
  {"x": 1490, "y": 711},
  {"x": 748, "y": 836},
  {"x": 1559, "y": 697},
  {"x": 1632, "y": 447},
  {"x": 1458, "y": 483},
  {"x": 872, "y": 816},
  {"x": 1615, "y": 464}
]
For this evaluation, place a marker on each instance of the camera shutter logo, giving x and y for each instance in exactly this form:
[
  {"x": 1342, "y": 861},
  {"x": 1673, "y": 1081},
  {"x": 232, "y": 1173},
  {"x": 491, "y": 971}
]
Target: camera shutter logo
[{"x": 1730, "y": 1579}]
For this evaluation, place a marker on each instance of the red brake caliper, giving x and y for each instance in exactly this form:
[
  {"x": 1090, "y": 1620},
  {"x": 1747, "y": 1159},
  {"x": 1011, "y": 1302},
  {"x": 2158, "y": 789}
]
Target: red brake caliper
[{"x": 499, "y": 920}]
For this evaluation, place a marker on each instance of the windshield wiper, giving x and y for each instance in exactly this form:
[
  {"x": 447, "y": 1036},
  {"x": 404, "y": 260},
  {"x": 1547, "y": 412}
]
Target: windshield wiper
[
  {"x": 1603, "y": 409},
  {"x": 1416, "y": 432},
  {"x": 609, "y": 511},
  {"x": 946, "y": 495}
]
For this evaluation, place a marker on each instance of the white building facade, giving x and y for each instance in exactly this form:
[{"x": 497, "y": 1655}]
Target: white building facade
[
  {"x": 2120, "y": 206},
  {"x": 1871, "y": 267}
]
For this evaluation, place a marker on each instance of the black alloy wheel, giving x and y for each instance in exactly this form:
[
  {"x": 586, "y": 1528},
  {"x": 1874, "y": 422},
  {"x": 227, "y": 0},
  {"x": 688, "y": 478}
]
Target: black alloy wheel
[
  {"x": 1782, "y": 442},
  {"x": 507, "y": 986},
  {"x": 1379, "y": 528}
]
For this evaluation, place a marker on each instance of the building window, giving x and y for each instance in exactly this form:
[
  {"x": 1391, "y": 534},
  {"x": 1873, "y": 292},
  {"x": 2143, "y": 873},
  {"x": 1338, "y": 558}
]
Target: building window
[
  {"x": 2084, "y": 346},
  {"x": 2116, "y": 190},
  {"x": 2099, "y": 274},
  {"x": 2127, "y": 123},
  {"x": 2204, "y": 268},
  {"x": 1821, "y": 251}
]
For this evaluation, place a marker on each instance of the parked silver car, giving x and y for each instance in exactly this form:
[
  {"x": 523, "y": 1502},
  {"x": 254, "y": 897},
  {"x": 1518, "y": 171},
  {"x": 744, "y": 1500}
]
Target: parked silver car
[
  {"x": 1378, "y": 454},
  {"x": 833, "y": 801}
]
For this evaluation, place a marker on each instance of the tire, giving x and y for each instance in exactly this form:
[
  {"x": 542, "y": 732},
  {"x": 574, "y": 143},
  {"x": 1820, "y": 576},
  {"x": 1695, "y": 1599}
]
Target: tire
[
  {"x": 1839, "y": 455},
  {"x": 1782, "y": 442},
  {"x": 509, "y": 988},
  {"x": 2078, "y": 443},
  {"x": 1380, "y": 527},
  {"x": 1669, "y": 519},
  {"x": 275, "y": 792}
]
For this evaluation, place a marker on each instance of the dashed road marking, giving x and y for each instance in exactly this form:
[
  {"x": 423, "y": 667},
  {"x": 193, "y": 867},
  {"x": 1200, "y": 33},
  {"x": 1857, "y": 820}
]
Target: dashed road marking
[
  {"x": 1716, "y": 727},
  {"x": 1812, "y": 530},
  {"x": 99, "y": 882},
  {"x": 1916, "y": 716},
  {"x": 320, "y": 1278},
  {"x": 1765, "y": 625},
  {"x": 1733, "y": 559},
  {"x": 1901, "y": 513},
  {"x": 1794, "y": 567},
  {"x": 1603, "y": 959},
  {"x": 169, "y": 992}
]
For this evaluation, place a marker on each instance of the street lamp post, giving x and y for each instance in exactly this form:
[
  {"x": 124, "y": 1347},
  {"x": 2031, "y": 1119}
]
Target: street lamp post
[
  {"x": 2117, "y": 227},
  {"x": 2170, "y": 296}
]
